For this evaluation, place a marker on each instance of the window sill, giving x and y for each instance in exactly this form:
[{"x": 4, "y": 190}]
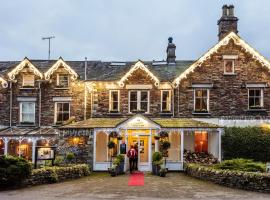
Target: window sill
[
  {"x": 61, "y": 88},
  {"x": 28, "y": 88},
  {"x": 201, "y": 113},
  {"x": 256, "y": 110},
  {"x": 114, "y": 113},
  {"x": 166, "y": 113},
  {"x": 21, "y": 124},
  {"x": 229, "y": 74}
]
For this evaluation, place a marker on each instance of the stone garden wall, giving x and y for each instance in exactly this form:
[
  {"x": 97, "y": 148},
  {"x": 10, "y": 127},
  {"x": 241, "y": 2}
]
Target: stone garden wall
[
  {"x": 57, "y": 174},
  {"x": 243, "y": 180}
]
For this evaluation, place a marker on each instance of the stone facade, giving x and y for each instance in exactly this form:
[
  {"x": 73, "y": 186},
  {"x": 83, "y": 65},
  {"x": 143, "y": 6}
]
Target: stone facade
[{"x": 229, "y": 94}]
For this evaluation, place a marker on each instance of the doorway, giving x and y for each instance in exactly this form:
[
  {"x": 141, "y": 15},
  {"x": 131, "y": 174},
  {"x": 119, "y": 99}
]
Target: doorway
[{"x": 143, "y": 145}]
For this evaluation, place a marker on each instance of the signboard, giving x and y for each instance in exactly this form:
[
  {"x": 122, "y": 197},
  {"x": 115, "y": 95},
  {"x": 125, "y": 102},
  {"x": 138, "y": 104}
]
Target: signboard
[{"x": 44, "y": 153}]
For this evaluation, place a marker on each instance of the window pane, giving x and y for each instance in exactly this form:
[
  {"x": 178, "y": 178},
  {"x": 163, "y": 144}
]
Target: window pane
[
  {"x": 204, "y": 93},
  {"x": 65, "y": 116},
  {"x": 258, "y": 93},
  {"x": 198, "y": 93},
  {"x": 115, "y": 106},
  {"x": 28, "y": 112},
  {"x": 28, "y": 80},
  {"x": 165, "y": 95},
  {"x": 204, "y": 104},
  {"x": 63, "y": 80},
  {"x": 144, "y": 106},
  {"x": 229, "y": 66},
  {"x": 114, "y": 96},
  {"x": 201, "y": 142},
  {"x": 66, "y": 107},
  {"x": 251, "y": 93},
  {"x": 144, "y": 96},
  {"x": 251, "y": 102},
  {"x": 133, "y": 106},
  {"x": 133, "y": 96}
]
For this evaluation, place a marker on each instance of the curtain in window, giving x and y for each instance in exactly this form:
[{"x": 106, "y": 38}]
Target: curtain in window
[{"x": 28, "y": 112}]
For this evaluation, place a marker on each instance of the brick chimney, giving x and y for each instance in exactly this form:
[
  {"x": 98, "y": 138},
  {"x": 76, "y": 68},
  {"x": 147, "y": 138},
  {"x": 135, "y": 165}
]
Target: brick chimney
[
  {"x": 228, "y": 22},
  {"x": 171, "y": 51}
]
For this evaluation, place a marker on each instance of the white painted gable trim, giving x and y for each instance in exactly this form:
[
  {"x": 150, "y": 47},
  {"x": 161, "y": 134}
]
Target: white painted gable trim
[
  {"x": 238, "y": 41},
  {"x": 142, "y": 66},
  {"x": 3, "y": 82},
  {"x": 20, "y": 67},
  {"x": 61, "y": 62}
]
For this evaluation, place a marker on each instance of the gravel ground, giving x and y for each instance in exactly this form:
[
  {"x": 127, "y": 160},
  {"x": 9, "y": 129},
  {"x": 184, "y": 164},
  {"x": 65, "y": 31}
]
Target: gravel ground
[{"x": 102, "y": 186}]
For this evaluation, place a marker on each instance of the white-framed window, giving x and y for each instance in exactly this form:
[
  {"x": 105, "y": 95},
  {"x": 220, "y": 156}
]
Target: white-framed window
[
  {"x": 201, "y": 100},
  {"x": 28, "y": 80},
  {"x": 165, "y": 100},
  {"x": 62, "y": 112},
  {"x": 229, "y": 66},
  {"x": 63, "y": 80},
  {"x": 27, "y": 112},
  {"x": 139, "y": 100},
  {"x": 114, "y": 100},
  {"x": 255, "y": 98}
]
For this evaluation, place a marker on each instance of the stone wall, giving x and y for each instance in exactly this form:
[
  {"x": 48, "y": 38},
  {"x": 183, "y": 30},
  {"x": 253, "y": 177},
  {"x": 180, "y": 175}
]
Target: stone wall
[
  {"x": 4, "y": 106},
  {"x": 243, "y": 180},
  {"x": 57, "y": 174},
  {"x": 229, "y": 95}
]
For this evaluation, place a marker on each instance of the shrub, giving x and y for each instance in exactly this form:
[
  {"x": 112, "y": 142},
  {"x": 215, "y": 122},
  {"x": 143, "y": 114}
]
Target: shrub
[
  {"x": 111, "y": 145},
  {"x": 242, "y": 165},
  {"x": 249, "y": 142},
  {"x": 70, "y": 156},
  {"x": 13, "y": 170},
  {"x": 157, "y": 158},
  {"x": 120, "y": 157},
  {"x": 59, "y": 160}
]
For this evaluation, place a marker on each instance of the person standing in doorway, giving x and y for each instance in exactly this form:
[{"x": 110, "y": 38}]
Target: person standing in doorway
[{"x": 131, "y": 155}]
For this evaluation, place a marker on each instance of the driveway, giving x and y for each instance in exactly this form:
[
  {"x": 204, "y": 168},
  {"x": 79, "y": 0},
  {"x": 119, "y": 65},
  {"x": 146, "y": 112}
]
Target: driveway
[{"x": 102, "y": 186}]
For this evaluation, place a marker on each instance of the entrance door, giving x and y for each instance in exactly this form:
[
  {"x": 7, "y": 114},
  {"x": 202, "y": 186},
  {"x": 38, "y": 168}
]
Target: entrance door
[{"x": 142, "y": 142}]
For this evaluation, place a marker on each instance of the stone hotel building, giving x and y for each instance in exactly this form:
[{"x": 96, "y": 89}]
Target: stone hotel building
[{"x": 79, "y": 105}]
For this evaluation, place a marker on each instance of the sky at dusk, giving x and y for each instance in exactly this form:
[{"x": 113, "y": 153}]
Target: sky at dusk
[{"x": 124, "y": 30}]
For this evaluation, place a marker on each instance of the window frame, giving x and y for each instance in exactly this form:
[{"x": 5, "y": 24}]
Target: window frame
[
  {"x": 55, "y": 110},
  {"x": 208, "y": 99},
  {"x": 58, "y": 82},
  {"x": 139, "y": 100},
  {"x": 110, "y": 101},
  {"x": 23, "y": 80},
  {"x": 261, "y": 98},
  {"x": 20, "y": 112},
  {"x": 233, "y": 66},
  {"x": 161, "y": 100}
]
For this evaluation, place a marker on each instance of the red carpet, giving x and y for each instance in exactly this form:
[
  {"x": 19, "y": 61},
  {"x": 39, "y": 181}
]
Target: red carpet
[{"x": 136, "y": 179}]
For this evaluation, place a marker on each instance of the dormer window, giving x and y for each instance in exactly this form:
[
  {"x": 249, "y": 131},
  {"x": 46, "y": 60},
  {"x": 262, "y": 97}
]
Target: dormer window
[
  {"x": 28, "y": 80},
  {"x": 62, "y": 80},
  {"x": 229, "y": 64},
  {"x": 165, "y": 101}
]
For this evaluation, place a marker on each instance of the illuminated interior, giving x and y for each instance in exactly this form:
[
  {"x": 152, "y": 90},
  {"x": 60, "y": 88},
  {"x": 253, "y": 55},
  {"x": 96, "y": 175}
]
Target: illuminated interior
[{"x": 201, "y": 141}]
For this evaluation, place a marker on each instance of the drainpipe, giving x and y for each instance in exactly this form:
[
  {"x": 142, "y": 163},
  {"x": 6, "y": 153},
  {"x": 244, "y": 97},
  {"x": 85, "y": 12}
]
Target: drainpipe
[
  {"x": 85, "y": 91},
  {"x": 39, "y": 114},
  {"x": 172, "y": 100},
  {"x": 10, "y": 105},
  {"x": 178, "y": 101}
]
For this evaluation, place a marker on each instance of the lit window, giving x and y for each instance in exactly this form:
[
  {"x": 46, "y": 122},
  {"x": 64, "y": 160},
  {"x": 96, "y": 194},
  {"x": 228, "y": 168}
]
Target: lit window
[
  {"x": 201, "y": 100},
  {"x": 114, "y": 100},
  {"x": 165, "y": 100},
  {"x": 62, "y": 111},
  {"x": 255, "y": 98},
  {"x": 139, "y": 101},
  {"x": 27, "y": 112},
  {"x": 62, "y": 80},
  {"x": 28, "y": 80},
  {"x": 201, "y": 142}
]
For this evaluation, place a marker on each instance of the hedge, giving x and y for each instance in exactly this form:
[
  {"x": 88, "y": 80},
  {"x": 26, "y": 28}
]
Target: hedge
[
  {"x": 253, "y": 181},
  {"x": 249, "y": 142},
  {"x": 57, "y": 174},
  {"x": 13, "y": 171}
]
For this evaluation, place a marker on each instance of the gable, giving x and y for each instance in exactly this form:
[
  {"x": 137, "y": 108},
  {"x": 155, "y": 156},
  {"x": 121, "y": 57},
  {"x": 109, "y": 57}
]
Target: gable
[
  {"x": 139, "y": 66},
  {"x": 60, "y": 63},
  {"x": 23, "y": 64},
  {"x": 138, "y": 122},
  {"x": 225, "y": 41}
]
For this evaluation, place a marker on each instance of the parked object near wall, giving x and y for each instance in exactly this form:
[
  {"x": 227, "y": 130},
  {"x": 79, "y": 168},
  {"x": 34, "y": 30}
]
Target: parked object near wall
[{"x": 236, "y": 179}]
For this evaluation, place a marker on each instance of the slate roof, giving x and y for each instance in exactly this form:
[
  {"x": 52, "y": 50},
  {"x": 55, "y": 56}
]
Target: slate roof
[
  {"x": 163, "y": 122},
  {"x": 106, "y": 71}
]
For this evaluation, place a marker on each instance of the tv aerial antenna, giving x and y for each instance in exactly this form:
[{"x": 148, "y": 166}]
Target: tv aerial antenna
[{"x": 49, "y": 39}]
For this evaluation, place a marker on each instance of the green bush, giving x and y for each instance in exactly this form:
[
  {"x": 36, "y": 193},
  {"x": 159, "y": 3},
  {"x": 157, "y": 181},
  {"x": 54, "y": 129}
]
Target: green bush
[
  {"x": 157, "y": 158},
  {"x": 249, "y": 142},
  {"x": 13, "y": 170},
  {"x": 120, "y": 157},
  {"x": 246, "y": 165},
  {"x": 59, "y": 160},
  {"x": 70, "y": 156}
]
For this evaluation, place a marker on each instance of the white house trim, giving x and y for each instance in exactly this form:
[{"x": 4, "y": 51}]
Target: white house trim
[
  {"x": 60, "y": 62},
  {"x": 3, "y": 82},
  {"x": 142, "y": 66},
  {"x": 21, "y": 66},
  {"x": 238, "y": 41},
  {"x": 62, "y": 98}
]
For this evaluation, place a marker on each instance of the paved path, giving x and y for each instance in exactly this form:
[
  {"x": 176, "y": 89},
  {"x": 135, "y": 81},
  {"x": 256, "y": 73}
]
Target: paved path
[{"x": 102, "y": 186}]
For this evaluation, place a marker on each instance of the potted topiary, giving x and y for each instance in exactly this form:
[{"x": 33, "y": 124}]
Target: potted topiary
[
  {"x": 156, "y": 162},
  {"x": 162, "y": 172},
  {"x": 121, "y": 159},
  {"x": 111, "y": 144}
]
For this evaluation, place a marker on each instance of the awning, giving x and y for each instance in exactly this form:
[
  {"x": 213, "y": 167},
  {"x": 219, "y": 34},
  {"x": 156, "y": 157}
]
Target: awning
[
  {"x": 31, "y": 132},
  {"x": 163, "y": 122}
]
